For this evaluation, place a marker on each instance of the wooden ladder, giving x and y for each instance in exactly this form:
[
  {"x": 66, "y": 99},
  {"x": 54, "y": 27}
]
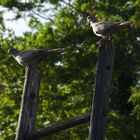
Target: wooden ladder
[{"x": 97, "y": 117}]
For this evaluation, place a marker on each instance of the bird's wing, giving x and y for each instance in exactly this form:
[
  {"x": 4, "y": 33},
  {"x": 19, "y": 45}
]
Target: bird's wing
[
  {"x": 37, "y": 55},
  {"x": 104, "y": 27},
  {"x": 32, "y": 55}
]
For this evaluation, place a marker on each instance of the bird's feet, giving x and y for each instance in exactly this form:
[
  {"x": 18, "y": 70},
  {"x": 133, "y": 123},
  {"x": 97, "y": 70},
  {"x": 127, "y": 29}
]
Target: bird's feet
[{"x": 101, "y": 42}]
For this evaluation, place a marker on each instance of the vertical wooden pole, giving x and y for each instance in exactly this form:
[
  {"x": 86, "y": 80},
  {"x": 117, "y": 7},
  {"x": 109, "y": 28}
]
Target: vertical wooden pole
[
  {"x": 29, "y": 103},
  {"x": 102, "y": 88}
]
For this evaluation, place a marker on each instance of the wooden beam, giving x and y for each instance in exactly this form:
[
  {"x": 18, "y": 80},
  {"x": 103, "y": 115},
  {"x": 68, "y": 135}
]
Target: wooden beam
[
  {"x": 29, "y": 103},
  {"x": 102, "y": 88},
  {"x": 59, "y": 127}
]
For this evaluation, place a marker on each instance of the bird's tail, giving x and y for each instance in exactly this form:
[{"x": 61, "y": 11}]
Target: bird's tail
[
  {"x": 125, "y": 23},
  {"x": 55, "y": 51}
]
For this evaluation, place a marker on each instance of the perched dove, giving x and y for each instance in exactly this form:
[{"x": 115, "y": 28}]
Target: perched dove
[
  {"x": 105, "y": 29},
  {"x": 32, "y": 57}
]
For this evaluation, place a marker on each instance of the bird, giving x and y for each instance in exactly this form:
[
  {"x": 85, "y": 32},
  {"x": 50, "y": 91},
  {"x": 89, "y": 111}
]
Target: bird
[
  {"x": 105, "y": 29},
  {"x": 32, "y": 57}
]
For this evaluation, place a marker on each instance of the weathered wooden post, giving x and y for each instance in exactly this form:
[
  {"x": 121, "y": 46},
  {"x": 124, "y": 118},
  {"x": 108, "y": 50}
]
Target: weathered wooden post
[
  {"x": 102, "y": 89},
  {"x": 29, "y": 103}
]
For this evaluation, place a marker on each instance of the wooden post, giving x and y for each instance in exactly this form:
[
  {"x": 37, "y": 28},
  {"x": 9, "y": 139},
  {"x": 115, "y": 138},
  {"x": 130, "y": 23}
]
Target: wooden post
[
  {"x": 28, "y": 104},
  {"x": 102, "y": 89}
]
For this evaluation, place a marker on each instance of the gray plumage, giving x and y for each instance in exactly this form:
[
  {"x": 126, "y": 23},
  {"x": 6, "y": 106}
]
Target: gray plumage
[
  {"x": 105, "y": 29},
  {"x": 32, "y": 57}
]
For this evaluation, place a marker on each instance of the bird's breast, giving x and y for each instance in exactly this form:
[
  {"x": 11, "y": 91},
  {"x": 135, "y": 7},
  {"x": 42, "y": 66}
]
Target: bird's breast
[
  {"x": 19, "y": 60},
  {"x": 96, "y": 29}
]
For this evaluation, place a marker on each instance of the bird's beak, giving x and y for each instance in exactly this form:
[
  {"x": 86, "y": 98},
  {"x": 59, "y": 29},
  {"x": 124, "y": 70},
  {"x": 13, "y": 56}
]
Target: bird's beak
[
  {"x": 8, "y": 52},
  {"x": 88, "y": 19}
]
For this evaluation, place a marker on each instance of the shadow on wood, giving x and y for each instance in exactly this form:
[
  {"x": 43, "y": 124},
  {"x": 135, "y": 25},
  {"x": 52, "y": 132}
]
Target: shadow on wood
[
  {"x": 29, "y": 103},
  {"x": 102, "y": 88}
]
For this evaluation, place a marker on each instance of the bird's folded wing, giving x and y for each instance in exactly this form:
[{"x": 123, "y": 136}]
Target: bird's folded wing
[
  {"x": 107, "y": 27},
  {"x": 32, "y": 55}
]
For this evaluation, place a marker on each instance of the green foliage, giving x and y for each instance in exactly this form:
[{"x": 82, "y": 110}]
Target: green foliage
[
  {"x": 135, "y": 99},
  {"x": 68, "y": 79},
  {"x": 11, "y": 4}
]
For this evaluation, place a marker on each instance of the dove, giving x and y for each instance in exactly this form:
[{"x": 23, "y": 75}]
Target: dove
[
  {"x": 105, "y": 29},
  {"x": 32, "y": 57}
]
